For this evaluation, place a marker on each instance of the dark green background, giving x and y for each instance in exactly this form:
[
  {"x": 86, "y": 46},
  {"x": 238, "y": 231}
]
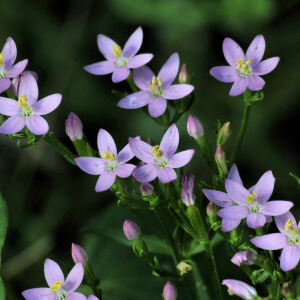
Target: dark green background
[{"x": 52, "y": 203}]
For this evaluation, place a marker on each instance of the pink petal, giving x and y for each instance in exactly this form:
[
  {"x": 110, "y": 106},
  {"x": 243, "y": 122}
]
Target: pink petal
[
  {"x": 141, "y": 150},
  {"x": 4, "y": 84},
  {"x": 125, "y": 170},
  {"x": 134, "y": 43},
  {"x": 105, "y": 181},
  {"x": 276, "y": 208},
  {"x": 92, "y": 297},
  {"x": 264, "y": 187},
  {"x": 266, "y": 66},
  {"x": 234, "y": 175},
  {"x": 169, "y": 70},
  {"x": 281, "y": 220},
  {"x": 17, "y": 69},
  {"x": 236, "y": 192},
  {"x": 91, "y": 165},
  {"x": 177, "y": 91},
  {"x": 180, "y": 159},
  {"x": 219, "y": 198},
  {"x": 38, "y": 293},
  {"x": 238, "y": 87},
  {"x": 12, "y": 125},
  {"x": 256, "y": 220},
  {"x": 120, "y": 74},
  {"x": 9, "y": 53},
  {"x": 256, "y": 50},
  {"x": 78, "y": 296},
  {"x": 170, "y": 141},
  {"x": 106, "y": 143},
  {"x": 74, "y": 278},
  {"x": 289, "y": 258},
  {"x": 135, "y": 100},
  {"x": 225, "y": 73},
  {"x": 126, "y": 154},
  {"x": 101, "y": 68},
  {"x": 139, "y": 60},
  {"x": 47, "y": 104},
  {"x": 166, "y": 175},
  {"x": 37, "y": 125},
  {"x": 9, "y": 107},
  {"x": 233, "y": 212},
  {"x": 52, "y": 272},
  {"x": 145, "y": 173},
  {"x": 105, "y": 45},
  {"x": 272, "y": 241},
  {"x": 255, "y": 83},
  {"x": 142, "y": 76},
  {"x": 157, "y": 106},
  {"x": 232, "y": 51},
  {"x": 28, "y": 86},
  {"x": 229, "y": 225}
]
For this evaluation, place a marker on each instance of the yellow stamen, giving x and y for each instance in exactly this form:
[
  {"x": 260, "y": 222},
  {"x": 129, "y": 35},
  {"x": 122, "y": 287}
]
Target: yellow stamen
[
  {"x": 243, "y": 66},
  {"x": 251, "y": 198},
  {"x": 157, "y": 153},
  {"x": 289, "y": 226},
  {"x": 1, "y": 58},
  {"x": 155, "y": 83},
  {"x": 117, "y": 51},
  {"x": 23, "y": 102},
  {"x": 56, "y": 286},
  {"x": 108, "y": 156}
]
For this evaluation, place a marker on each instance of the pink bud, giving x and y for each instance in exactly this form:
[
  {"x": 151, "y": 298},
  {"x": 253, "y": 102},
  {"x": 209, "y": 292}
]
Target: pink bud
[
  {"x": 244, "y": 257},
  {"x": 239, "y": 288},
  {"x": 131, "y": 230},
  {"x": 184, "y": 76},
  {"x": 74, "y": 127},
  {"x": 170, "y": 291},
  {"x": 146, "y": 189},
  {"x": 194, "y": 127},
  {"x": 78, "y": 254},
  {"x": 221, "y": 160},
  {"x": 187, "y": 189},
  {"x": 211, "y": 209}
]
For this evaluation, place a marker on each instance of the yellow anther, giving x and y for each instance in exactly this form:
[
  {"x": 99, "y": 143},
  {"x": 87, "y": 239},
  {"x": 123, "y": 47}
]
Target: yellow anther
[
  {"x": 117, "y": 51},
  {"x": 239, "y": 63},
  {"x": 1, "y": 58},
  {"x": 56, "y": 285},
  {"x": 251, "y": 198},
  {"x": 155, "y": 83},
  {"x": 157, "y": 153},
  {"x": 289, "y": 226},
  {"x": 23, "y": 102},
  {"x": 108, "y": 156},
  {"x": 249, "y": 61},
  {"x": 243, "y": 66}
]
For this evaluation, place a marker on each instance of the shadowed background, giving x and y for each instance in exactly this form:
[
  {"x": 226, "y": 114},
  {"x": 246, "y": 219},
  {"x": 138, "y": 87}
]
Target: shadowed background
[{"x": 52, "y": 203}]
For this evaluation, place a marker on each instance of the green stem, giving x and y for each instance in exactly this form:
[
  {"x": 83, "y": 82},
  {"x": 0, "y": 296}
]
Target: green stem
[
  {"x": 275, "y": 288},
  {"x": 245, "y": 117},
  {"x": 92, "y": 280},
  {"x": 131, "y": 83}
]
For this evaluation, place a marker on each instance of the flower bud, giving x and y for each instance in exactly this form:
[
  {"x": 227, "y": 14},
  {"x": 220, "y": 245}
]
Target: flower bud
[
  {"x": 221, "y": 160},
  {"x": 170, "y": 291},
  {"x": 146, "y": 189},
  {"x": 131, "y": 230},
  {"x": 184, "y": 76},
  {"x": 247, "y": 257},
  {"x": 287, "y": 290},
  {"x": 78, "y": 254},
  {"x": 224, "y": 134},
  {"x": 183, "y": 268},
  {"x": 211, "y": 209},
  {"x": 74, "y": 127},
  {"x": 194, "y": 127},
  {"x": 187, "y": 189},
  {"x": 239, "y": 288}
]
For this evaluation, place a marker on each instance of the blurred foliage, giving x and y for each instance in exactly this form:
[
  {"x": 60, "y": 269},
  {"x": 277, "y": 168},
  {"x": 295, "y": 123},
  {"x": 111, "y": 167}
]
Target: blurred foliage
[{"x": 52, "y": 204}]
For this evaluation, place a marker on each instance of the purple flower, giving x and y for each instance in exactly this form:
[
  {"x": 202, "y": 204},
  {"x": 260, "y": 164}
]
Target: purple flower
[
  {"x": 244, "y": 70},
  {"x": 288, "y": 239},
  {"x": 244, "y": 257},
  {"x": 119, "y": 62},
  {"x": 73, "y": 127},
  {"x": 187, "y": 189},
  {"x": 78, "y": 254},
  {"x": 131, "y": 230},
  {"x": 155, "y": 90},
  {"x": 59, "y": 288},
  {"x": 27, "y": 110},
  {"x": 240, "y": 289},
  {"x": 170, "y": 291},
  {"x": 15, "y": 83},
  {"x": 8, "y": 70},
  {"x": 160, "y": 160},
  {"x": 111, "y": 163},
  {"x": 239, "y": 203}
]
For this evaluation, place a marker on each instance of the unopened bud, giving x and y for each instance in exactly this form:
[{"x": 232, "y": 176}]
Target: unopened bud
[
  {"x": 221, "y": 160},
  {"x": 170, "y": 291},
  {"x": 194, "y": 127},
  {"x": 287, "y": 290},
  {"x": 131, "y": 230},
  {"x": 239, "y": 288},
  {"x": 183, "y": 268},
  {"x": 184, "y": 76},
  {"x": 211, "y": 209},
  {"x": 247, "y": 257},
  {"x": 224, "y": 134},
  {"x": 78, "y": 254},
  {"x": 187, "y": 189},
  {"x": 146, "y": 189},
  {"x": 73, "y": 127}
]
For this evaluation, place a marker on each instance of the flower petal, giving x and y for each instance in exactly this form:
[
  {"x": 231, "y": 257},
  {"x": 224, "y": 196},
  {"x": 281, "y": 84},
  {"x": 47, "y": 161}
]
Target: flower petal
[
  {"x": 234, "y": 175},
  {"x": 236, "y": 192},
  {"x": 134, "y": 43},
  {"x": 4, "y": 84},
  {"x": 9, "y": 53},
  {"x": 276, "y": 208},
  {"x": 9, "y": 107},
  {"x": 120, "y": 74},
  {"x": 157, "y": 106},
  {"x": 166, "y": 175},
  {"x": 135, "y": 100},
  {"x": 272, "y": 241},
  {"x": 92, "y": 297},
  {"x": 17, "y": 69},
  {"x": 264, "y": 187},
  {"x": 139, "y": 60},
  {"x": 256, "y": 220},
  {"x": 145, "y": 173},
  {"x": 232, "y": 51},
  {"x": 180, "y": 159},
  {"x": 217, "y": 197},
  {"x": 229, "y": 225},
  {"x": 266, "y": 66},
  {"x": 240, "y": 289},
  {"x": 233, "y": 212},
  {"x": 256, "y": 50},
  {"x": 177, "y": 91},
  {"x": 126, "y": 154},
  {"x": 28, "y": 86},
  {"x": 125, "y": 170},
  {"x": 281, "y": 220},
  {"x": 52, "y": 272},
  {"x": 141, "y": 150},
  {"x": 47, "y": 104},
  {"x": 78, "y": 296},
  {"x": 38, "y": 293},
  {"x": 37, "y": 125},
  {"x": 12, "y": 125},
  {"x": 142, "y": 76},
  {"x": 91, "y": 165},
  {"x": 101, "y": 68},
  {"x": 238, "y": 87},
  {"x": 225, "y": 73},
  {"x": 74, "y": 278},
  {"x": 169, "y": 70},
  {"x": 255, "y": 83},
  {"x": 106, "y": 142},
  {"x": 105, "y": 181},
  {"x": 289, "y": 258},
  {"x": 170, "y": 141},
  {"x": 105, "y": 45}
]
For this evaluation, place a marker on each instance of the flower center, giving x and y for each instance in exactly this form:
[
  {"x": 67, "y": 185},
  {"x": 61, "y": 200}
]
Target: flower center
[
  {"x": 244, "y": 68},
  {"x": 26, "y": 109},
  {"x": 60, "y": 293},
  {"x": 293, "y": 235},
  {"x": 251, "y": 198},
  {"x": 161, "y": 161},
  {"x": 121, "y": 60},
  {"x": 117, "y": 51},
  {"x": 253, "y": 206},
  {"x": 155, "y": 85},
  {"x": 3, "y": 72},
  {"x": 108, "y": 156},
  {"x": 112, "y": 164}
]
